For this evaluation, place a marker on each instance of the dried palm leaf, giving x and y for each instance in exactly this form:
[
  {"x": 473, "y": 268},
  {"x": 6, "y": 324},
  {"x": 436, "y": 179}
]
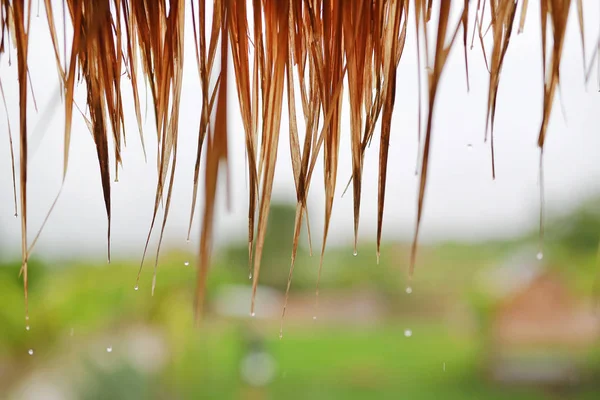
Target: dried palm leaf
[
  {"x": 311, "y": 44},
  {"x": 503, "y": 15},
  {"x": 276, "y": 46},
  {"x": 441, "y": 54},
  {"x": 216, "y": 153}
]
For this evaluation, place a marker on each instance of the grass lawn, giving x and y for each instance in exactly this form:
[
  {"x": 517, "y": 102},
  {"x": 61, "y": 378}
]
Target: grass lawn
[{"x": 328, "y": 362}]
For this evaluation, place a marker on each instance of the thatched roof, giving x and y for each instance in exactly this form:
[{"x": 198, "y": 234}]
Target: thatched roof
[{"x": 322, "y": 47}]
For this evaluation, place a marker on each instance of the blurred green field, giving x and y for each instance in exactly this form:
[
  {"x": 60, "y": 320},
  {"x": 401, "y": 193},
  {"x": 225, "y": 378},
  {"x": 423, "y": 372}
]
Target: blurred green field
[
  {"x": 95, "y": 337},
  {"x": 315, "y": 359}
]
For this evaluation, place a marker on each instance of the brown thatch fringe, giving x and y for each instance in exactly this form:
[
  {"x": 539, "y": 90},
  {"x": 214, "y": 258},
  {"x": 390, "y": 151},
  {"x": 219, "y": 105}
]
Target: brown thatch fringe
[{"x": 320, "y": 43}]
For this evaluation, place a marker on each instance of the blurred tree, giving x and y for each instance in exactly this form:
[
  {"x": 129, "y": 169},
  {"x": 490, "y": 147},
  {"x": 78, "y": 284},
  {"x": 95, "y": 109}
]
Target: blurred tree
[
  {"x": 578, "y": 231},
  {"x": 277, "y": 249}
]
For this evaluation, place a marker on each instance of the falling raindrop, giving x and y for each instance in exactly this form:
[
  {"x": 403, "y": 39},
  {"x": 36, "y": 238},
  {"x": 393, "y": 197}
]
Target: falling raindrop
[
  {"x": 540, "y": 255},
  {"x": 109, "y": 349},
  {"x": 136, "y": 287},
  {"x": 408, "y": 290},
  {"x": 407, "y": 333},
  {"x": 186, "y": 263},
  {"x": 30, "y": 351},
  {"x": 27, "y": 328}
]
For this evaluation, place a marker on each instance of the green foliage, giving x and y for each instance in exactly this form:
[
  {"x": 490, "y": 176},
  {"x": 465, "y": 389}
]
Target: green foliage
[
  {"x": 121, "y": 383},
  {"x": 578, "y": 231}
]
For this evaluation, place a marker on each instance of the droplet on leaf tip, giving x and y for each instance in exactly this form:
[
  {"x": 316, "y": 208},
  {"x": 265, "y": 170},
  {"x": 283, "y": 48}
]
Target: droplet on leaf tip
[
  {"x": 252, "y": 314},
  {"x": 136, "y": 287},
  {"x": 109, "y": 349},
  {"x": 407, "y": 333},
  {"x": 27, "y": 328},
  {"x": 408, "y": 290},
  {"x": 186, "y": 263},
  {"x": 540, "y": 255},
  {"x": 30, "y": 352}
]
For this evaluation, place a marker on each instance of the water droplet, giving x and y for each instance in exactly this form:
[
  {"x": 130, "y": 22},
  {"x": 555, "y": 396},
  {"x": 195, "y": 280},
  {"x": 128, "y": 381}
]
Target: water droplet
[
  {"x": 27, "y": 328},
  {"x": 355, "y": 253},
  {"x": 186, "y": 263},
  {"x": 27, "y": 318},
  {"x": 280, "y": 335},
  {"x": 16, "y": 215},
  {"x": 136, "y": 287},
  {"x": 540, "y": 255},
  {"x": 252, "y": 314},
  {"x": 30, "y": 351},
  {"x": 187, "y": 240},
  {"x": 470, "y": 146},
  {"x": 408, "y": 290},
  {"x": 109, "y": 349},
  {"x": 407, "y": 333},
  {"x": 250, "y": 275},
  {"x": 314, "y": 317}
]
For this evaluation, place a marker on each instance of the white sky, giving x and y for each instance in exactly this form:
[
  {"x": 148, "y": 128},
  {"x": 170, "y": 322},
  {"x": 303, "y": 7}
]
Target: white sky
[{"x": 462, "y": 200}]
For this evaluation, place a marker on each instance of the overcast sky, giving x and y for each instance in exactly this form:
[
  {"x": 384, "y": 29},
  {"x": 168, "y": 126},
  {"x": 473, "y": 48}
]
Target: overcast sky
[{"x": 463, "y": 202}]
